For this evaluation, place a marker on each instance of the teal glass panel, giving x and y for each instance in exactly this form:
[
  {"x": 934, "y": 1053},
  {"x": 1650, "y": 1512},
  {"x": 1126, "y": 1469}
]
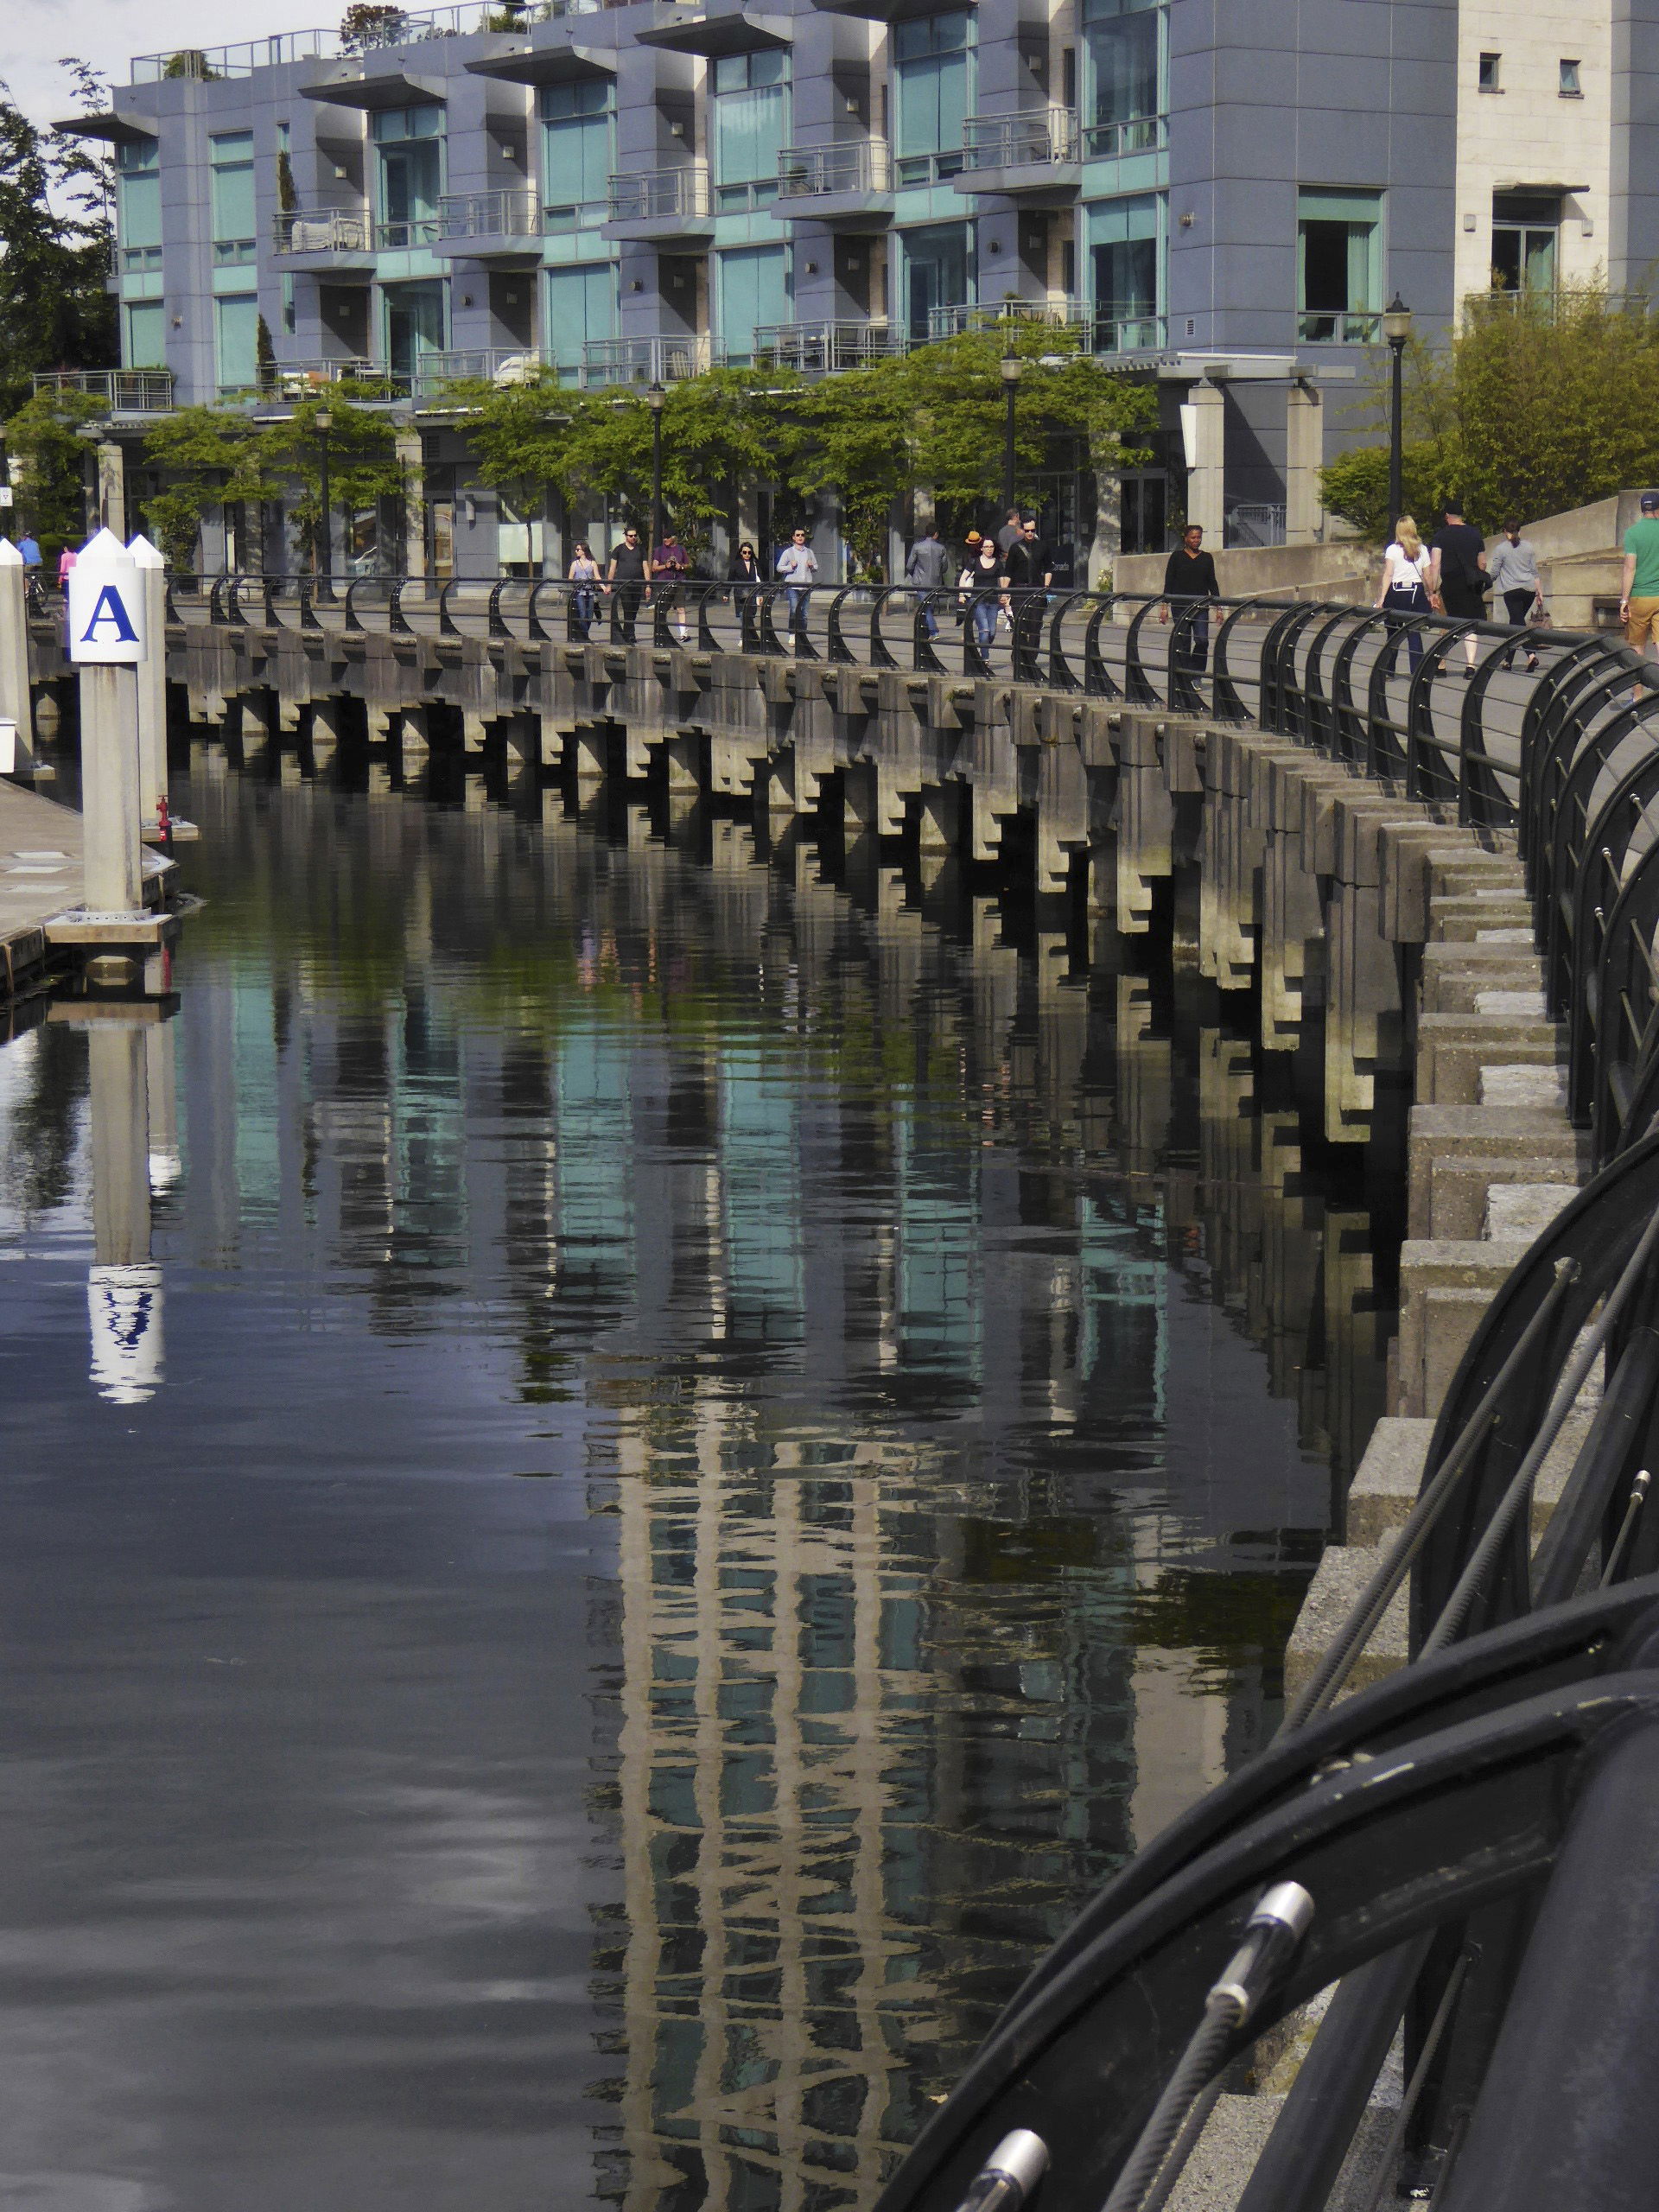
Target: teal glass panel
[
  {"x": 146, "y": 334},
  {"x": 577, "y": 148},
  {"x": 236, "y": 317},
  {"x": 581, "y": 305}
]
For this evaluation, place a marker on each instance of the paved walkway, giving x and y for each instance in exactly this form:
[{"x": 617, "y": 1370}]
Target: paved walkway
[{"x": 39, "y": 875}]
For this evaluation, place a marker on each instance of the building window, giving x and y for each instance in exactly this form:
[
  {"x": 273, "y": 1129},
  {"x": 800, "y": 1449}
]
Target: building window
[
  {"x": 578, "y": 152},
  {"x": 751, "y": 127},
  {"x": 230, "y": 167},
  {"x": 1490, "y": 65},
  {"x": 138, "y": 205},
  {"x": 754, "y": 290},
  {"x": 145, "y": 332},
  {"x": 1125, "y": 43},
  {"x": 1524, "y": 228},
  {"x": 414, "y": 326},
  {"x": 1340, "y": 267},
  {"x": 236, "y": 335},
  {"x": 1125, "y": 260},
  {"x": 936, "y": 280},
  {"x": 1571, "y": 88},
  {"x": 409, "y": 181},
  {"x": 932, "y": 96},
  {"x": 579, "y": 307}
]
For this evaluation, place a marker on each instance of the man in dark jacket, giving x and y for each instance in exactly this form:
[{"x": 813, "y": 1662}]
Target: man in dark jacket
[
  {"x": 1457, "y": 577},
  {"x": 924, "y": 567},
  {"x": 1189, "y": 581}
]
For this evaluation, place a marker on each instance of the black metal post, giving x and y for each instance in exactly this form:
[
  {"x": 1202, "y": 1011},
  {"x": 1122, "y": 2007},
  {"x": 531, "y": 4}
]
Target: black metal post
[
  {"x": 1011, "y": 368},
  {"x": 1397, "y": 329},
  {"x": 654, "y": 399},
  {"x": 325, "y": 521}
]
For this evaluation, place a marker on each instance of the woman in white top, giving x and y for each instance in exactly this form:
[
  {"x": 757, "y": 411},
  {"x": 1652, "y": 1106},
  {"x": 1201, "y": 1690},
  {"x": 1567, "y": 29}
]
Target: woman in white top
[{"x": 1404, "y": 591}]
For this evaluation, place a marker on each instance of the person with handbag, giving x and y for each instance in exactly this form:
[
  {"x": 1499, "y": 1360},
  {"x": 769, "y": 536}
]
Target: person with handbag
[
  {"x": 1514, "y": 572},
  {"x": 1402, "y": 593},
  {"x": 1457, "y": 576}
]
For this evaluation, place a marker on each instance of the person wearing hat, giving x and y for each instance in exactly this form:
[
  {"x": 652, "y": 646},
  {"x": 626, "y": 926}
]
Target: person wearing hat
[{"x": 1638, "y": 591}]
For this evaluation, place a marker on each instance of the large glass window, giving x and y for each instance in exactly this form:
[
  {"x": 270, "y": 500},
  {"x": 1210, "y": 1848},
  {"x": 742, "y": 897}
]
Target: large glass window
[
  {"x": 145, "y": 335},
  {"x": 138, "y": 205},
  {"x": 577, "y": 151},
  {"x": 581, "y": 305},
  {"x": 1125, "y": 252},
  {"x": 751, "y": 126},
  {"x": 1340, "y": 267},
  {"x": 415, "y": 326},
  {"x": 409, "y": 148},
  {"x": 1123, "y": 96},
  {"x": 231, "y": 165},
  {"x": 1525, "y": 226},
  {"x": 932, "y": 95},
  {"x": 754, "y": 289},
  {"x": 937, "y": 274},
  {"x": 236, "y": 318}
]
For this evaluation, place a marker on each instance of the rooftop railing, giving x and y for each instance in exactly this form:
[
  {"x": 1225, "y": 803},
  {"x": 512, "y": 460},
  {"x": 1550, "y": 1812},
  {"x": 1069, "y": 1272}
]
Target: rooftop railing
[
  {"x": 658, "y": 195},
  {"x": 320, "y": 230},
  {"x": 126, "y": 391},
  {"x": 386, "y": 26},
  {"x": 1043, "y": 136},
  {"x": 811, "y": 172}
]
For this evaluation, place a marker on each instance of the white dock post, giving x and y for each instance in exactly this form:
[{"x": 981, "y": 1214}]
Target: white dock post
[
  {"x": 14, "y": 654},
  {"x": 152, "y": 684},
  {"x": 107, "y": 642}
]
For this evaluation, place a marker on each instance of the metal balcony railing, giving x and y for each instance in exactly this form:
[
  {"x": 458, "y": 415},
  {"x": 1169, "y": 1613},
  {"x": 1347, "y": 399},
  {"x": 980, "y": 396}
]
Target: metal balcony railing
[
  {"x": 560, "y": 217},
  {"x": 1116, "y": 332},
  {"x": 811, "y": 172},
  {"x": 660, "y": 195},
  {"x": 402, "y": 231},
  {"x": 510, "y": 215},
  {"x": 1135, "y": 133},
  {"x": 645, "y": 360},
  {"x": 824, "y": 346},
  {"x": 502, "y": 366},
  {"x": 1319, "y": 326},
  {"x": 320, "y": 230},
  {"x": 393, "y": 27},
  {"x": 299, "y": 380},
  {"x": 1040, "y": 137},
  {"x": 1060, "y": 314},
  {"x": 929, "y": 168},
  {"x": 126, "y": 391}
]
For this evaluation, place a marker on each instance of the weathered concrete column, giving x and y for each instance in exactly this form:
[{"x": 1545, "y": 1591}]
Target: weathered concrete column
[
  {"x": 1303, "y": 458},
  {"x": 14, "y": 704},
  {"x": 152, "y": 684},
  {"x": 406, "y": 446},
  {"x": 109, "y": 802},
  {"x": 325, "y": 732},
  {"x": 939, "y": 827},
  {"x": 1206, "y": 492},
  {"x": 113, "y": 487}
]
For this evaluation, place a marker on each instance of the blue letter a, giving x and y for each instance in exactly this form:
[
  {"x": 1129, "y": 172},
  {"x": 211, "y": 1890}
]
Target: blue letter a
[{"x": 111, "y": 608}]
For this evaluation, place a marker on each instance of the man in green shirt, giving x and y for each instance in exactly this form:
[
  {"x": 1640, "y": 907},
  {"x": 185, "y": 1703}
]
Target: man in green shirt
[{"x": 1638, "y": 596}]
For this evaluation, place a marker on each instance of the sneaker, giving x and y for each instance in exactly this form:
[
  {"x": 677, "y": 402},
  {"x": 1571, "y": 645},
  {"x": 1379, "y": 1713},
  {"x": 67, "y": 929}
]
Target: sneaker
[{"x": 1468, "y": 673}]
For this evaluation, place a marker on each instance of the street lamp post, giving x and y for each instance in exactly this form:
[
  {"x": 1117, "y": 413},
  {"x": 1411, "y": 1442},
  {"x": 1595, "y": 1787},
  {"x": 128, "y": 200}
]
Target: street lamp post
[
  {"x": 1397, "y": 329},
  {"x": 1012, "y": 366},
  {"x": 323, "y": 422},
  {"x": 654, "y": 398}
]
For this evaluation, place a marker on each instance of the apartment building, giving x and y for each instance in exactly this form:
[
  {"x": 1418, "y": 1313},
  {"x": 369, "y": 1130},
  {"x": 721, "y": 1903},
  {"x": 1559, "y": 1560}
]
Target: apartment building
[{"x": 1220, "y": 195}]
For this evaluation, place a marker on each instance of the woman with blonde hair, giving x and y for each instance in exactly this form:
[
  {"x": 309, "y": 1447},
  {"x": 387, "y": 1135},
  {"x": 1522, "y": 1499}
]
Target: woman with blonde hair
[{"x": 1403, "y": 592}]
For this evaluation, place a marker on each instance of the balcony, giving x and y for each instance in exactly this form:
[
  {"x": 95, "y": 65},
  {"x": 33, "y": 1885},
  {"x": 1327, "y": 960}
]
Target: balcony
[
  {"x": 912, "y": 169},
  {"x": 1323, "y": 326},
  {"x": 823, "y": 347},
  {"x": 1054, "y": 315},
  {"x": 486, "y": 225},
  {"x": 1137, "y": 134},
  {"x": 851, "y": 183},
  {"x": 328, "y": 238},
  {"x": 124, "y": 392},
  {"x": 1033, "y": 153},
  {"x": 304, "y": 379},
  {"x": 405, "y": 232},
  {"x": 1117, "y": 333},
  {"x": 645, "y": 360},
  {"x": 501, "y": 366},
  {"x": 663, "y": 203}
]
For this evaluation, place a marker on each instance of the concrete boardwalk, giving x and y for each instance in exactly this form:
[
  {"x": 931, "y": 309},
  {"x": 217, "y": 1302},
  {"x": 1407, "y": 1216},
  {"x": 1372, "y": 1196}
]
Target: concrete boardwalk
[{"x": 39, "y": 875}]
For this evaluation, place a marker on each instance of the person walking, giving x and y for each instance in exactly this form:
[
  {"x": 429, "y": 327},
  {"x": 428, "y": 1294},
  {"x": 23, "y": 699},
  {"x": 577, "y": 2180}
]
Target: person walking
[
  {"x": 798, "y": 564},
  {"x": 1638, "y": 593},
  {"x": 30, "y": 549},
  {"x": 669, "y": 565},
  {"x": 626, "y": 578},
  {"x": 1514, "y": 572},
  {"x": 66, "y": 561},
  {"x": 583, "y": 573},
  {"x": 1404, "y": 593},
  {"x": 743, "y": 568},
  {"x": 1457, "y": 577},
  {"x": 982, "y": 584},
  {"x": 925, "y": 567},
  {"x": 1190, "y": 582}
]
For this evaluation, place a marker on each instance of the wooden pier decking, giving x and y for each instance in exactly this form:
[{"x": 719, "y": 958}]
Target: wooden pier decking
[{"x": 39, "y": 875}]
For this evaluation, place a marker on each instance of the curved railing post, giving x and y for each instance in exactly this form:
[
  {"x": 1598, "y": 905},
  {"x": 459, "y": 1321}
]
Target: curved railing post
[
  {"x": 398, "y": 623},
  {"x": 1098, "y": 682},
  {"x": 1225, "y": 705},
  {"x": 840, "y": 652},
  {"x": 447, "y": 626},
  {"x": 975, "y": 662},
  {"x": 353, "y": 620},
  {"x": 880, "y": 656},
  {"x": 1481, "y": 802},
  {"x": 798, "y": 619},
  {"x": 707, "y": 642},
  {"x": 771, "y": 643},
  {"x": 1137, "y": 686},
  {"x": 1059, "y": 668},
  {"x": 497, "y": 627}
]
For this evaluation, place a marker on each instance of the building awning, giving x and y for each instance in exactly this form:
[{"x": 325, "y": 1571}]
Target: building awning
[
  {"x": 732, "y": 30},
  {"x": 1540, "y": 191},
  {"x": 385, "y": 88},
  {"x": 546, "y": 65},
  {"x": 881, "y": 11},
  {"x": 120, "y": 129}
]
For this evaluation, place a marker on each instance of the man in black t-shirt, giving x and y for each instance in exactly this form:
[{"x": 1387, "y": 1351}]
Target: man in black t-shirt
[
  {"x": 627, "y": 577},
  {"x": 1029, "y": 572},
  {"x": 1189, "y": 580},
  {"x": 1457, "y": 575}
]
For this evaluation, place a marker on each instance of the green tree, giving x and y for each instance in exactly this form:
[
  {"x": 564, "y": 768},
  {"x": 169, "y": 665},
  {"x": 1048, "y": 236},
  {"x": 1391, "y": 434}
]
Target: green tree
[
  {"x": 206, "y": 456},
  {"x": 50, "y": 463},
  {"x": 363, "y": 464},
  {"x": 57, "y": 235}
]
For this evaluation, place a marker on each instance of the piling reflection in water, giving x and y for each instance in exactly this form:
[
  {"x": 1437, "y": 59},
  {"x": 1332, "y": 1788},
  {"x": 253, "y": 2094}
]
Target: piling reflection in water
[
  {"x": 124, "y": 1284},
  {"x": 904, "y": 1304}
]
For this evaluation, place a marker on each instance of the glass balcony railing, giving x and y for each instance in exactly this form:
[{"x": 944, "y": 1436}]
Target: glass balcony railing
[
  {"x": 824, "y": 346},
  {"x": 402, "y": 231},
  {"x": 645, "y": 360},
  {"x": 302, "y": 378},
  {"x": 661, "y": 195},
  {"x": 1040, "y": 138},
  {"x": 558, "y": 218},
  {"x": 501, "y": 366},
  {"x": 126, "y": 391},
  {"x": 1059, "y": 315},
  {"x": 1135, "y": 133},
  {"x": 512, "y": 214},
  {"x": 1118, "y": 332},
  {"x": 909, "y": 170},
  {"x": 859, "y": 165},
  {"x": 1351, "y": 327},
  {"x": 320, "y": 230}
]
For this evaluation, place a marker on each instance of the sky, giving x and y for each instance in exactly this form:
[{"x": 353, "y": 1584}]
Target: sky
[{"x": 108, "y": 33}]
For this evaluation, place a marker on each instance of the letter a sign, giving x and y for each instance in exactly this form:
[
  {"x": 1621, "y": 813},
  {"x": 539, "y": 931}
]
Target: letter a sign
[{"x": 106, "y": 606}]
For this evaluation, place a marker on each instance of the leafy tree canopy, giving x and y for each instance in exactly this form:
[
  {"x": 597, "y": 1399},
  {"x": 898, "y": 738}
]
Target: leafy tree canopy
[
  {"x": 56, "y": 236},
  {"x": 49, "y": 456}
]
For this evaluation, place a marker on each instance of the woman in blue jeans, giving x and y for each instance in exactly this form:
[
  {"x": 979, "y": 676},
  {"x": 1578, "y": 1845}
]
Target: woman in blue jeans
[
  {"x": 980, "y": 583},
  {"x": 1404, "y": 591}
]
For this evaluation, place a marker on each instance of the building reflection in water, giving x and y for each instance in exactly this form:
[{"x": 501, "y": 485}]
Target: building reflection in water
[{"x": 969, "y": 1367}]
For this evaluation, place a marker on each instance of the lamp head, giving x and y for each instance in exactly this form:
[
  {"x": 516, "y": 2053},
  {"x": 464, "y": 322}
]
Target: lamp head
[
  {"x": 324, "y": 420},
  {"x": 654, "y": 398},
  {"x": 1396, "y": 322},
  {"x": 1012, "y": 366}
]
